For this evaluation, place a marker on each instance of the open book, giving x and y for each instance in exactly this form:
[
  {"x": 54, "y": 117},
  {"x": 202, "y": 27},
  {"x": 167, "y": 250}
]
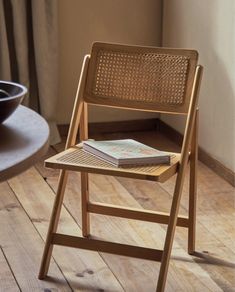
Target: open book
[{"x": 126, "y": 152}]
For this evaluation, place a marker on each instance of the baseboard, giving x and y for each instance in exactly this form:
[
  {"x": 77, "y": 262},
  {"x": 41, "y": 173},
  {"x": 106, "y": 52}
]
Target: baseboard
[
  {"x": 224, "y": 172},
  {"x": 116, "y": 126},
  {"x": 151, "y": 125}
]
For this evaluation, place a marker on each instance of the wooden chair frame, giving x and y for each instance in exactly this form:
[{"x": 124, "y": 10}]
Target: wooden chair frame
[{"x": 190, "y": 144}]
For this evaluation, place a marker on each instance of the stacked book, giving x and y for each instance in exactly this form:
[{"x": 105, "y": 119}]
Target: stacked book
[{"x": 126, "y": 152}]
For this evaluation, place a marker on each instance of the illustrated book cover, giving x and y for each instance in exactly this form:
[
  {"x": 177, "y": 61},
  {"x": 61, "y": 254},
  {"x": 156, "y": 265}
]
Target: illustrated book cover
[{"x": 126, "y": 152}]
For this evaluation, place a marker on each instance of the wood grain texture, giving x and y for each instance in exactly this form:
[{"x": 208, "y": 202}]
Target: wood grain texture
[
  {"x": 210, "y": 269},
  {"x": 78, "y": 112},
  {"x": 192, "y": 208},
  {"x": 133, "y": 274},
  {"x": 215, "y": 252},
  {"x": 107, "y": 247},
  {"x": 7, "y": 280},
  {"x": 132, "y": 213},
  {"x": 22, "y": 246},
  {"x": 84, "y": 271},
  {"x": 83, "y": 133},
  {"x": 215, "y": 218}
]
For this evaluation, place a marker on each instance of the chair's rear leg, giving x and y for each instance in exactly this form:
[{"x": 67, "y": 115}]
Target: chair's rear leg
[
  {"x": 54, "y": 220},
  {"x": 192, "y": 208},
  {"x": 85, "y": 200},
  {"x": 193, "y": 188},
  {"x": 84, "y": 175}
]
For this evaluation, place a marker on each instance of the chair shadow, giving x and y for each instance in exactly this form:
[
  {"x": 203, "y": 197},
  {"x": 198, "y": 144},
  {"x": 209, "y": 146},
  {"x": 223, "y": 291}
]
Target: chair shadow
[{"x": 206, "y": 258}]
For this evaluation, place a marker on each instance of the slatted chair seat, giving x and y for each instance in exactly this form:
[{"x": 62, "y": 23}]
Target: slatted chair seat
[{"x": 76, "y": 159}]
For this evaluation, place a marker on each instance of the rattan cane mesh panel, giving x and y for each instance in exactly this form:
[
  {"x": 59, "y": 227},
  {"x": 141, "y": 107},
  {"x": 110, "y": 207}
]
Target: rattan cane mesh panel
[
  {"x": 151, "y": 78},
  {"x": 80, "y": 157}
]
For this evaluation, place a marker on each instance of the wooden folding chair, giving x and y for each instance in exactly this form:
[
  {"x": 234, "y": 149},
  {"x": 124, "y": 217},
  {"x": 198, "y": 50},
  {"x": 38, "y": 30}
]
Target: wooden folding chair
[{"x": 139, "y": 78}]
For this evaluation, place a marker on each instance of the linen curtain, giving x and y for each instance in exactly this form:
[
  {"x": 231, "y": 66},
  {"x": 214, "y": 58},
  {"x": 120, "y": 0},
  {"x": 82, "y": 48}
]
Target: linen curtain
[{"x": 29, "y": 53}]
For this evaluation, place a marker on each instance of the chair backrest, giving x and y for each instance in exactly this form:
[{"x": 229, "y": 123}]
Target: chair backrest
[{"x": 144, "y": 78}]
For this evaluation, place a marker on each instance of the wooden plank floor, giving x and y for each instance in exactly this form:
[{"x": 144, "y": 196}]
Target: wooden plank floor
[{"x": 25, "y": 206}]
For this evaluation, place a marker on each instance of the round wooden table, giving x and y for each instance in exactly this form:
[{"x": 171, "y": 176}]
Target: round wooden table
[{"x": 23, "y": 141}]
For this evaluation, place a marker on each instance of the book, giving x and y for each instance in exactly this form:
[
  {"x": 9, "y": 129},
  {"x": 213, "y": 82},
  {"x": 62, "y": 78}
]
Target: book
[{"x": 126, "y": 152}]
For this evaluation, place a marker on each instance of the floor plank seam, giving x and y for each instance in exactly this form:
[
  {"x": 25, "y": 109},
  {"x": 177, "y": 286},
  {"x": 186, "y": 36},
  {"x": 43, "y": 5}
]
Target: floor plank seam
[
  {"x": 51, "y": 188},
  {"x": 201, "y": 222},
  {"x": 103, "y": 258},
  {"x": 110, "y": 268},
  {"x": 38, "y": 234},
  {"x": 195, "y": 258},
  {"x": 77, "y": 223},
  {"x": 10, "y": 268}
]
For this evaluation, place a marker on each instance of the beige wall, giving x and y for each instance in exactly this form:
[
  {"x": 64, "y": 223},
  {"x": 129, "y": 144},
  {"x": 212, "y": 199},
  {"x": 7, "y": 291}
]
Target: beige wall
[
  {"x": 209, "y": 27},
  {"x": 83, "y": 22}
]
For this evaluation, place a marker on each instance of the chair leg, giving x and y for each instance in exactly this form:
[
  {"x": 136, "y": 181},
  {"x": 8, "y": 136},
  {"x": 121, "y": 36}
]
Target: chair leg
[
  {"x": 192, "y": 208},
  {"x": 53, "y": 225},
  {"x": 193, "y": 189},
  {"x": 168, "y": 242},
  {"x": 85, "y": 200}
]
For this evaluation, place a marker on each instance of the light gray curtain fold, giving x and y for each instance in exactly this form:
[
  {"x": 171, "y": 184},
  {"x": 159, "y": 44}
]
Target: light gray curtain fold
[{"x": 29, "y": 53}]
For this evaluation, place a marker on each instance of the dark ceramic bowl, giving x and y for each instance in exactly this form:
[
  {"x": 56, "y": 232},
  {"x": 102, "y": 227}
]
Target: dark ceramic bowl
[{"x": 11, "y": 95}]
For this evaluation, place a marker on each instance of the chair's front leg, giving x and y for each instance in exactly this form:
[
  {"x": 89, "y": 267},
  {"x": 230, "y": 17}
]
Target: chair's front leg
[
  {"x": 53, "y": 225},
  {"x": 193, "y": 188}
]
